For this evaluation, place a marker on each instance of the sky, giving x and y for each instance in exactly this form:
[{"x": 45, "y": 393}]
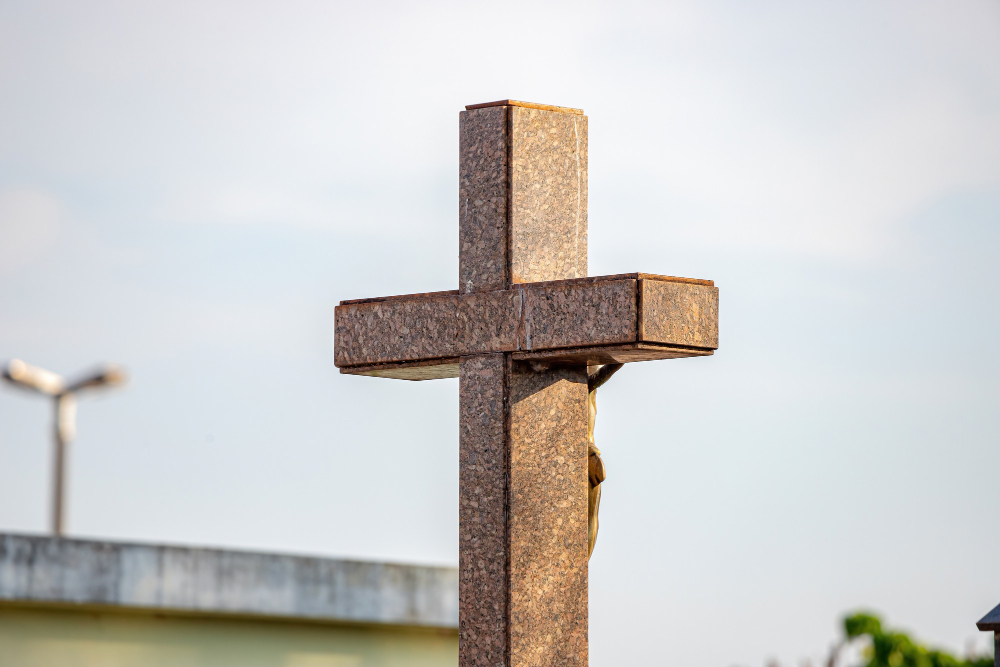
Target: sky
[{"x": 188, "y": 189}]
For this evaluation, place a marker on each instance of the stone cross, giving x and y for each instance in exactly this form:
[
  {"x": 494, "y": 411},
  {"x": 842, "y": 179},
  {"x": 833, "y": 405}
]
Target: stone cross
[{"x": 520, "y": 333}]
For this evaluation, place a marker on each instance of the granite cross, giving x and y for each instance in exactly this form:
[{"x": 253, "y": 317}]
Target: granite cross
[{"x": 520, "y": 333}]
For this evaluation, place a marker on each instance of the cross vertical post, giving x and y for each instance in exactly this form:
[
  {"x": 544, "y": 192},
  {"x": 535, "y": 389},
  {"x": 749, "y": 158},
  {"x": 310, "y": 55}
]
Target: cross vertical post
[{"x": 523, "y": 439}]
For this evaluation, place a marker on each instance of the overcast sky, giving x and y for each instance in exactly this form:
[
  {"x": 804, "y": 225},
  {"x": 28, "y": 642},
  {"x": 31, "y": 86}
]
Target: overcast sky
[{"x": 189, "y": 188}]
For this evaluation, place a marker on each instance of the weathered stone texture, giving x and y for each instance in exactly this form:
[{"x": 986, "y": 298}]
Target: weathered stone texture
[
  {"x": 679, "y": 313},
  {"x": 526, "y": 167},
  {"x": 548, "y": 195},
  {"x": 548, "y": 517},
  {"x": 482, "y": 199},
  {"x": 411, "y": 329},
  {"x": 180, "y": 580},
  {"x": 587, "y": 312},
  {"x": 482, "y": 513},
  {"x": 570, "y": 314}
]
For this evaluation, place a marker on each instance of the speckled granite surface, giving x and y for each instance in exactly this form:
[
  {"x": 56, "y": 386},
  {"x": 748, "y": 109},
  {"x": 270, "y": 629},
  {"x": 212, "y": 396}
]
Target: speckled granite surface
[
  {"x": 548, "y": 516},
  {"x": 561, "y": 314},
  {"x": 678, "y": 314},
  {"x": 482, "y": 511},
  {"x": 425, "y": 327},
  {"x": 523, "y": 598},
  {"x": 482, "y": 199},
  {"x": 548, "y": 195},
  {"x": 537, "y": 317},
  {"x": 522, "y": 514},
  {"x": 522, "y": 196}
]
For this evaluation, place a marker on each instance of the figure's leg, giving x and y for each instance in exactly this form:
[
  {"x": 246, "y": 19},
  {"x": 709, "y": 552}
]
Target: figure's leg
[{"x": 597, "y": 474}]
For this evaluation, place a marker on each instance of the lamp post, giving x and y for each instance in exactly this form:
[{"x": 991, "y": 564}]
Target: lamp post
[{"x": 63, "y": 394}]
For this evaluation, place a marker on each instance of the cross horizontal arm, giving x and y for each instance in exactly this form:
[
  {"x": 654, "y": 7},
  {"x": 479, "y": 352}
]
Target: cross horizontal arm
[{"x": 604, "y": 319}]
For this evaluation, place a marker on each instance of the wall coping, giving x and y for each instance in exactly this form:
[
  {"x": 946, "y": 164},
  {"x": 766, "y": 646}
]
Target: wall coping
[{"x": 50, "y": 571}]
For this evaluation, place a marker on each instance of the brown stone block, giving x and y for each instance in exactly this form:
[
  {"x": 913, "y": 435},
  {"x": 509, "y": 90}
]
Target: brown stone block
[
  {"x": 578, "y": 312},
  {"x": 548, "y": 516},
  {"x": 407, "y": 336},
  {"x": 679, "y": 313},
  {"x": 420, "y": 328},
  {"x": 482, "y": 199},
  {"x": 482, "y": 512},
  {"x": 548, "y": 195}
]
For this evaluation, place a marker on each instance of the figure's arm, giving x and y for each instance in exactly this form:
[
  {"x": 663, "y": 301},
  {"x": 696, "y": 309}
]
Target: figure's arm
[{"x": 601, "y": 375}]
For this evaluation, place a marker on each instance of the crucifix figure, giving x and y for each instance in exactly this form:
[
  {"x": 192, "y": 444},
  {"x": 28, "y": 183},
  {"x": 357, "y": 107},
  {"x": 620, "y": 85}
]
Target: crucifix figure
[
  {"x": 521, "y": 332},
  {"x": 595, "y": 464}
]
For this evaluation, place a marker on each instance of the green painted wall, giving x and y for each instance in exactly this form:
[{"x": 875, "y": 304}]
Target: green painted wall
[{"x": 33, "y": 637}]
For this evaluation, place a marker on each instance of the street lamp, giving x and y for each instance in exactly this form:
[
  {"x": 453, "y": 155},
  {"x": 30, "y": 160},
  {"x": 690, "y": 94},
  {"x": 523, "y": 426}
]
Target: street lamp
[{"x": 51, "y": 384}]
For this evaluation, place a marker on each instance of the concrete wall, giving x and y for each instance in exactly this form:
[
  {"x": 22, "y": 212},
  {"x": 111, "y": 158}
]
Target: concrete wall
[
  {"x": 168, "y": 578},
  {"x": 50, "y": 637},
  {"x": 70, "y": 603}
]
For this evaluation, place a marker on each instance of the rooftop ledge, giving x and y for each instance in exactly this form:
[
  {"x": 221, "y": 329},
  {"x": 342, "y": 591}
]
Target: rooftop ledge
[
  {"x": 990, "y": 621},
  {"x": 88, "y": 574}
]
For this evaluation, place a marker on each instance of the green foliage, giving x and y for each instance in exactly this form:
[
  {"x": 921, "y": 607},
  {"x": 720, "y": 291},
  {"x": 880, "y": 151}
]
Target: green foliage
[
  {"x": 861, "y": 623},
  {"x": 895, "y": 649}
]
